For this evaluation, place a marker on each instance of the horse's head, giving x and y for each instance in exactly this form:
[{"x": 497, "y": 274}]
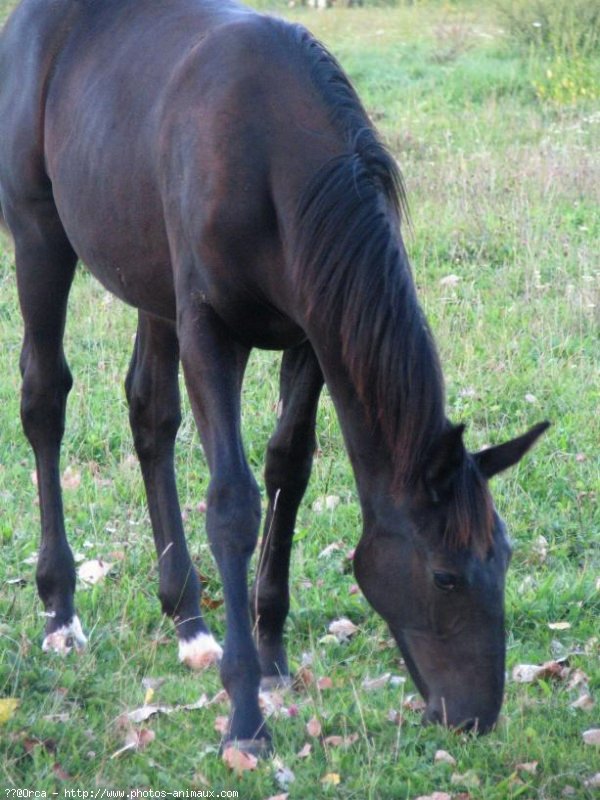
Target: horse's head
[{"x": 434, "y": 567}]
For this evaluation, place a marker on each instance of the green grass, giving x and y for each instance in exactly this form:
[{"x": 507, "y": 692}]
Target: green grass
[{"x": 504, "y": 195}]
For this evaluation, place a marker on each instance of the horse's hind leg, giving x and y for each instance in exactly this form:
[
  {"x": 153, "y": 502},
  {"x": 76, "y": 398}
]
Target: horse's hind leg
[
  {"x": 45, "y": 266},
  {"x": 288, "y": 465},
  {"x": 154, "y": 411}
]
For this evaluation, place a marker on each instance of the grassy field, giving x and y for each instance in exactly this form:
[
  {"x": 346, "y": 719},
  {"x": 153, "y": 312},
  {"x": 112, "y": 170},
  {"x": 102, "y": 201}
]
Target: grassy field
[{"x": 503, "y": 179}]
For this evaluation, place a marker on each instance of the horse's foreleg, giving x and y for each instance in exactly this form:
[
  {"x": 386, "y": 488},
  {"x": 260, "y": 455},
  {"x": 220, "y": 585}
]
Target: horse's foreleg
[
  {"x": 213, "y": 365},
  {"x": 154, "y": 411},
  {"x": 45, "y": 266},
  {"x": 288, "y": 465}
]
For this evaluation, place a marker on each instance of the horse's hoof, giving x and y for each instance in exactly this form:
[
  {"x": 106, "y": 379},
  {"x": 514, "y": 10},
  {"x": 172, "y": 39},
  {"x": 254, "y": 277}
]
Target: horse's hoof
[
  {"x": 65, "y": 638},
  {"x": 200, "y": 652},
  {"x": 270, "y": 683},
  {"x": 260, "y": 748}
]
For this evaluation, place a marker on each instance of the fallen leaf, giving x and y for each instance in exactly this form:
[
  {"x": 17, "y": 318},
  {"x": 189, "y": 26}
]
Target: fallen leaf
[
  {"x": 540, "y": 549},
  {"x": 238, "y": 761},
  {"x": 305, "y": 751},
  {"x": 444, "y": 757},
  {"x": 146, "y": 711},
  {"x": 283, "y": 775},
  {"x": 313, "y": 727},
  {"x": 60, "y": 772},
  {"x": 136, "y": 740},
  {"x": 221, "y": 724},
  {"x": 71, "y": 479},
  {"x": 584, "y": 702},
  {"x": 304, "y": 678},
  {"x": 92, "y": 572},
  {"x": 342, "y": 629},
  {"x": 331, "y": 779},
  {"x": 324, "y": 683},
  {"x": 332, "y": 501},
  {"x": 530, "y": 398},
  {"x": 578, "y": 678},
  {"x": 372, "y": 684},
  {"x": 450, "y": 280},
  {"x": 435, "y": 796},
  {"x": 592, "y": 737},
  {"x": 529, "y": 673},
  {"x": 559, "y": 626},
  {"x": 8, "y": 706},
  {"x": 414, "y": 703},
  {"x": 331, "y": 548},
  {"x": 341, "y": 741},
  {"x": 470, "y": 779},
  {"x": 395, "y": 717},
  {"x": 220, "y": 697},
  {"x": 528, "y": 766}
]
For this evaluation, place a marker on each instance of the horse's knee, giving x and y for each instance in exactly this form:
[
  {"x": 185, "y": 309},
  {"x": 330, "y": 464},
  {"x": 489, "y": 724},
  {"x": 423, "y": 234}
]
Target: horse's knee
[
  {"x": 288, "y": 468},
  {"x": 43, "y": 400},
  {"x": 270, "y": 604},
  {"x": 233, "y": 515},
  {"x": 154, "y": 424}
]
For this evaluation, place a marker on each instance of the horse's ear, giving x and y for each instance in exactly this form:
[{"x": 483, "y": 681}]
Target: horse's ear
[
  {"x": 443, "y": 462},
  {"x": 496, "y": 459}
]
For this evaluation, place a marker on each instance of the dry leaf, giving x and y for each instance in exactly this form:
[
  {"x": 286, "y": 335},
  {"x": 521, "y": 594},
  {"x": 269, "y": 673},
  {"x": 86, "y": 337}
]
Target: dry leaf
[
  {"x": 60, "y": 772},
  {"x": 470, "y": 779},
  {"x": 371, "y": 684},
  {"x": 540, "y": 549},
  {"x": 444, "y": 757},
  {"x": 148, "y": 710},
  {"x": 8, "y": 706},
  {"x": 435, "y": 796},
  {"x": 238, "y": 761},
  {"x": 414, "y": 703},
  {"x": 283, "y": 775},
  {"x": 136, "y": 740},
  {"x": 305, "y": 751},
  {"x": 559, "y": 626},
  {"x": 341, "y": 741},
  {"x": 395, "y": 717},
  {"x": 304, "y": 678},
  {"x": 592, "y": 736},
  {"x": 528, "y": 766},
  {"x": 584, "y": 702},
  {"x": 331, "y": 548},
  {"x": 342, "y": 629},
  {"x": 450, "y": 280},
  {"x": 331, "y": 779},
  {"x": 71, "y": 479},
  {"x": 221, "y": 725},
  {"x": 324, "y": 683},
  {"x": 92, "y": 572},
  {"x": 529, "y": 673},
  {"x": 313, "y": 727}
]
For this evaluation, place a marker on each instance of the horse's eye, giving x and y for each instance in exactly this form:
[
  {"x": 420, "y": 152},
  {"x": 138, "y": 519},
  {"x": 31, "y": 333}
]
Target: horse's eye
[{"x": 445, "y": 581}]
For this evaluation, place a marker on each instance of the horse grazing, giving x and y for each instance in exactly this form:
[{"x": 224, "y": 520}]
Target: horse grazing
[{"x": 214, "y": 168}]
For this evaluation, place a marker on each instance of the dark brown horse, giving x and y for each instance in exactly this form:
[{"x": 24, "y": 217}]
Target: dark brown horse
[{"x": 215, "y": 169}]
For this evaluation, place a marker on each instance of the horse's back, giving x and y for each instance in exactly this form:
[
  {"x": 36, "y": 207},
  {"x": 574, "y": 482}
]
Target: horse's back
[{"x": 161, "y": 129}]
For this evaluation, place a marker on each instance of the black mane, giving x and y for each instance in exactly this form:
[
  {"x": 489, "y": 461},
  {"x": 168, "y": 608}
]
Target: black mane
[{"x": 354, "y": 274}]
